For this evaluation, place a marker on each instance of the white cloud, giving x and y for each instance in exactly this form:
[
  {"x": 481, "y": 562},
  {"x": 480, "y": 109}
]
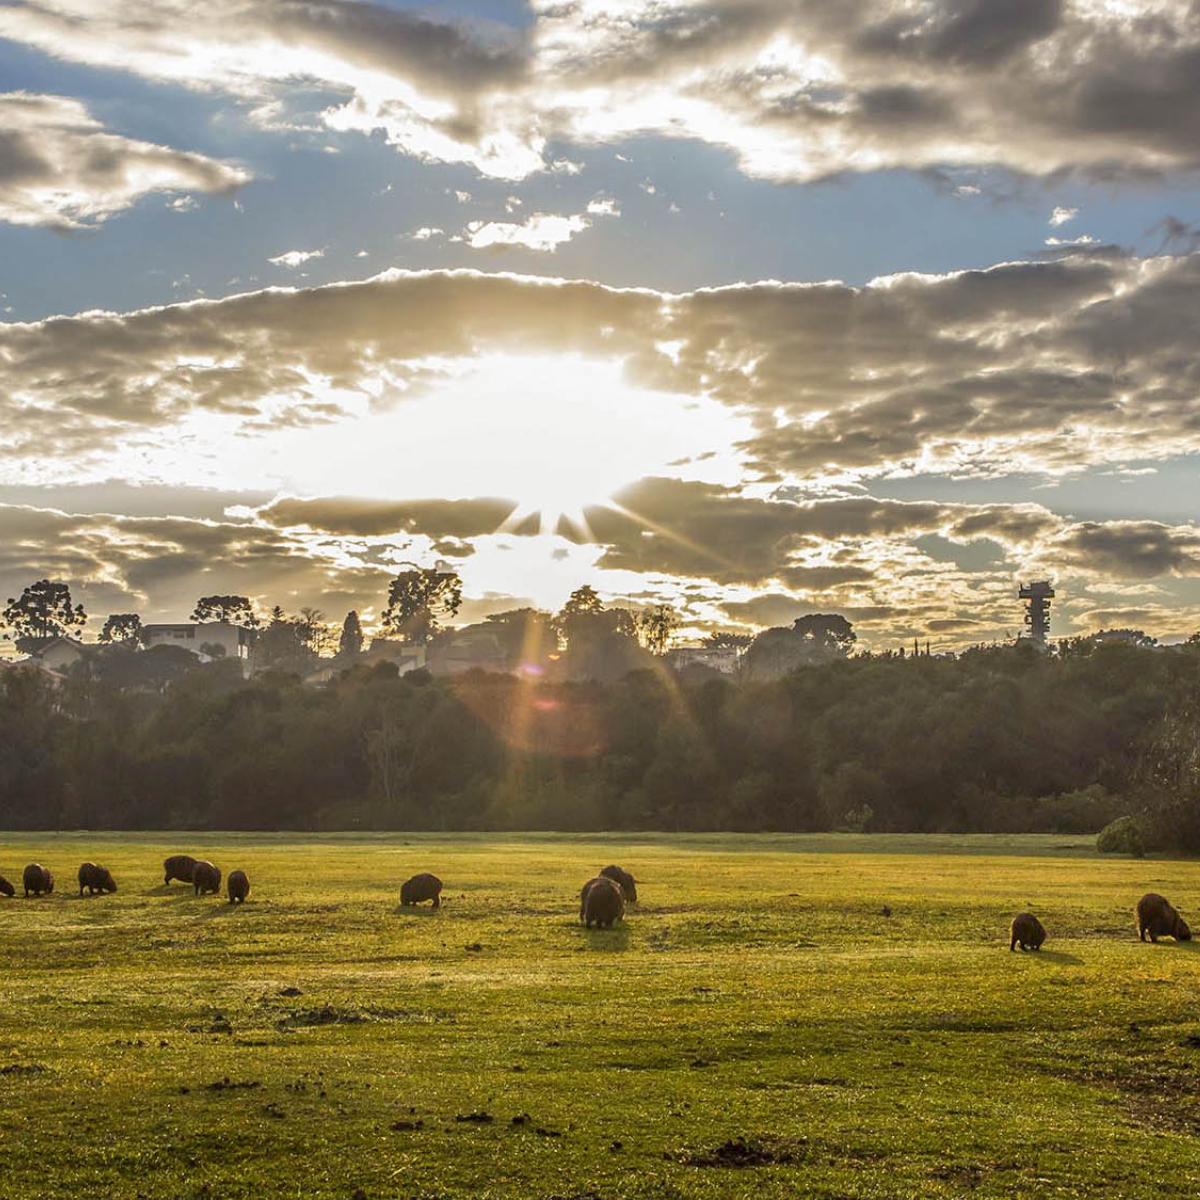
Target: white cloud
[
  {"x": 542, "y": 231},
  {"x": 60, "y": 168},
  {"x": 295, "y": 258},
  {"x": 795, "y": 91},
  {"x": 1060, "y": 216},
  {"x": 604, "y": 208},
  {"x": 426, "y": 232}
]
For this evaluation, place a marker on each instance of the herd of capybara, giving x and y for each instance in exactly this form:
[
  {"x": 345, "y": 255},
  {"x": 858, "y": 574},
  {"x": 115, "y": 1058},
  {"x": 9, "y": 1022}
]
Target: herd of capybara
[{"x": 601, "y": 902}]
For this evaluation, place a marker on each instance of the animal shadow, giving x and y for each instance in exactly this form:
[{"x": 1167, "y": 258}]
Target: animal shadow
[{"x": 613, "y": 940}]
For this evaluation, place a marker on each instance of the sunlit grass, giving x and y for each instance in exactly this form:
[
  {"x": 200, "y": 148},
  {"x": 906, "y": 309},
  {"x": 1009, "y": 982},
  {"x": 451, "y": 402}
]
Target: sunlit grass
[{"x": 756, "y": 992}]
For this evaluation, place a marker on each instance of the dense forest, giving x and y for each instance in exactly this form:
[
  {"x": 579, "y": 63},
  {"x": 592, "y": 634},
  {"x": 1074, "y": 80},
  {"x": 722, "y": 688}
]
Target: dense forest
[{"x": 998, "y": 739}]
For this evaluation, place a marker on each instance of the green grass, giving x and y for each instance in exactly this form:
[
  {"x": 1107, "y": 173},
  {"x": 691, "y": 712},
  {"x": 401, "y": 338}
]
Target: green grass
[{"x": 756, "y": 992}]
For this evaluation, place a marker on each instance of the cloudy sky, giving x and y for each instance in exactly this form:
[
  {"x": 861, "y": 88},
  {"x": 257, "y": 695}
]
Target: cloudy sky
[{"x": 758, "y": 307}]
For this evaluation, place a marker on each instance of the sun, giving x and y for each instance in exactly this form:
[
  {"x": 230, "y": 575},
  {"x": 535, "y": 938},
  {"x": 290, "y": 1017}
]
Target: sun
[{"x": 556, "y": 435}]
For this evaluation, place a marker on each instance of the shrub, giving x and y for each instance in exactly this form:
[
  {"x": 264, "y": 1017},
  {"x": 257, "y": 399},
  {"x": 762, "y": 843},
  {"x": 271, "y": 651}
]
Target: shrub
[{"x": 1122, "y": 836}]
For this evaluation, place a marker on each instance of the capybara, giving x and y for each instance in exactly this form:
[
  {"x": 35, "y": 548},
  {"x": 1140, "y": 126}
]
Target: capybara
[
  {"x": 624, "y": 881},
  {"x": 178, "y": 866},
  {"x": 1156, "y": 917},
  {"x": 601, "y": 902},
  {"x": 96, "y": 879},
  {"x": 205, "y": 877},
  {"x": 1027, "y": 932},
  {"x": 422, "y": 887},
  {"x": 238, "y": 886},
  {"x": 6, "y": 888},
  {"x": 37, "y": 880}
]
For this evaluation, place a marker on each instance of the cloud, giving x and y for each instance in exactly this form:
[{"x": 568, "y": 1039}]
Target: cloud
[
  {"x": 1044, "y": 367},
  {"x": 61, "y": 169},
  {"x": 796, "y": 91},
  {"x": 541, "y": 231},
  {"x": 1060, "y": 216},
  {"x": 1130, "y": 549},
  {"x": 160, "y": 565},
  {"x": 355, "y": 517},
  {"x": 295, "y": 258}
]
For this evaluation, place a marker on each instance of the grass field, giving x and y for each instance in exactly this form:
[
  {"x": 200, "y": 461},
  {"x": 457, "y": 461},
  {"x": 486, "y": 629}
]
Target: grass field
[{"x": 756, "y": 1026}]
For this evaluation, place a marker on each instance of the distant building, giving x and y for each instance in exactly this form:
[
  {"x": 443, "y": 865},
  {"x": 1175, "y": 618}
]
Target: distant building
[
  {"x": 58, "y": 654},
  {"x": 715, "y": 658},
  {"x": 1037, "y": 597},
  {"x": 406, "y": 656},
  {"x": 472, "y": 648},
  {"x": 207, "y": 640}
]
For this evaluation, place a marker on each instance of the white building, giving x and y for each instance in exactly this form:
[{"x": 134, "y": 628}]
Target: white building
[
  {"x": 202, "y": 639},
  {"x": 58, "y": 654},
  {"x": 715, "y": 658}
]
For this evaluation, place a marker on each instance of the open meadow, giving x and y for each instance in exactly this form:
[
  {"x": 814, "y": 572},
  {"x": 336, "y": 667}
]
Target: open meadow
[{"x": 756, "y": 1026}]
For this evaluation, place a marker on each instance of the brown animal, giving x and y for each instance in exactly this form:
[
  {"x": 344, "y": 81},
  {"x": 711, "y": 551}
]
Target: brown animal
[
  {"x": 422, "y": 887},
  {"x": 178, "y": 866},
  {"x": 37, "y": 880},
  {"x": 6, "y": 888},
  {"x": 205, "y": 877},
  {"x": 601, "y": 902},
  {"x": 96, "y": 879},
  {"x": 624, "y": 881},
  {"x": 238, "y": 887},
  {"x": 1156, "y": 917},
  {"x": 1027, "y": 932}
]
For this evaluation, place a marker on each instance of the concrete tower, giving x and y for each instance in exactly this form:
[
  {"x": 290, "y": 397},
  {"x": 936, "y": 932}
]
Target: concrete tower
[{"x": 1037, "y": 597}]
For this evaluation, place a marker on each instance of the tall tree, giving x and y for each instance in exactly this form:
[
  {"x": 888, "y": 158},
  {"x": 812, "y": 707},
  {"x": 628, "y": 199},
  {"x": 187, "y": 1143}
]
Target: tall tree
[
  {"x": 419, "y": 600},
  {"x": 724, "y": 639},
  {"x": 236, "y": 610},
  {"x": 657, "y": 625},
  {"x": 350, "y": 643},
  {"x": 313, "y": 630},
  {"x": 43, "y": 610},
  {"x": 283, "y": 645},
  {"x": 123, "y": 628},
  {"x": 582, "y": 600},
  {"x": 826, "y": 632}
]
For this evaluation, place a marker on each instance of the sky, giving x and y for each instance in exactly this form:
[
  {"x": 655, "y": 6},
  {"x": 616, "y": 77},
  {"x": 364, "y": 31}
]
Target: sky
[{"x": 752, "y": 307}]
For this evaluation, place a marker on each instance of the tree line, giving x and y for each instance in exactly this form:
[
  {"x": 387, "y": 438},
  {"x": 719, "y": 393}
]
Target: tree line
[{"x": 998, "y": 739}]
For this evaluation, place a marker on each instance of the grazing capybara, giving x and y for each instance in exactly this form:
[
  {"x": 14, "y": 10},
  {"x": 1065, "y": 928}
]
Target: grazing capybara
[
  {"x": 238, "y": 887},
  {"x": 6, "y": 888},
  {"x": 1156, "y": 917},
  {"x": 624, "y": 881},
  {"x": 37, "y": 880},
  {"x": 601, "y": 902},
  {"x": 205, "y": 877},
  {"x": 422, "y": 887},
  {"x": 96, "y": 879},
  {"x": 1027, "y": 932},
  {"x": 178, "y": 866}
]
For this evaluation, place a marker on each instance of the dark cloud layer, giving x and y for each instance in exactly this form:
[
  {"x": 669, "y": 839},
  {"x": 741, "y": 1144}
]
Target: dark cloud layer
[{"x": 61, "y": 169}]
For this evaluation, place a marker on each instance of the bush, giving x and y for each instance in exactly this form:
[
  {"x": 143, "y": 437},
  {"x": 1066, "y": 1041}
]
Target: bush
[{"x": 1122, "y": 836}]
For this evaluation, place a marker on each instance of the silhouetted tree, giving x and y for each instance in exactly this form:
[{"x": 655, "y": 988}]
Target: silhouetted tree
[
  {"x": 43, "y": 610},
  {"x": 121, "y": 628},
  {"x": 826, "y": 632},
  {"x": 236, "y": 610},
  {"x": 728, "y": 640},
  {"x": 657, "y": 625},
  {"x": 419, "y": 600},
  {"x": 350, "y": 643}
]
